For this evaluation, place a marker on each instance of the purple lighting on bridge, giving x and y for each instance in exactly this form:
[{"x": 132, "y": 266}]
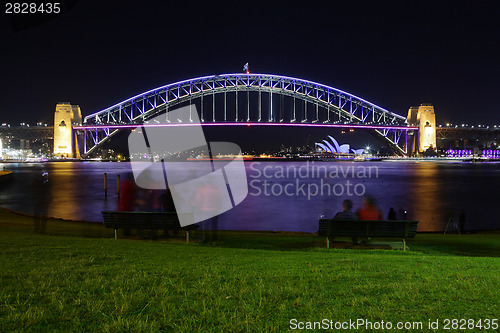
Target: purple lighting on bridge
[
  {"x": 352, "y": 111},
  {"x": 132, "y": 126}
]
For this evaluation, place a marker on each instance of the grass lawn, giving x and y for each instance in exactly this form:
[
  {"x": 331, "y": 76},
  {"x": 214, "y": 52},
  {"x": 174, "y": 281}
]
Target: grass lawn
[{"x": 76, "y": 277}]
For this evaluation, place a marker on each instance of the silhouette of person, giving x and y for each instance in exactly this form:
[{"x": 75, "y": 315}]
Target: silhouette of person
[
  {"x": 209, "y": 199},
  {"x": 346, "y": 213},
  {"x": 392, "y": 214},
  {"x": 168, "y": 205},
  {"x": 128, "y": 198},
  {"x": 369, "y": 211},
  {"x": 147, "y": 199},
  {"x": 167, "y": 201},
  {"x": 128, "y": 191}
]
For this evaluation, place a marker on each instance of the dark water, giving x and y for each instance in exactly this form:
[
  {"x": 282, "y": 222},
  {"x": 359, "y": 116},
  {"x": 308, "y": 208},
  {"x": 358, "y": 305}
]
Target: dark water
[{"x": 284, "y": 196}]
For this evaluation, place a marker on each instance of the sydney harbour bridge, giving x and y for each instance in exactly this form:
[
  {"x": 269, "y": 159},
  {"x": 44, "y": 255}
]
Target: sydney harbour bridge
[{"x": 247, "y": 100}]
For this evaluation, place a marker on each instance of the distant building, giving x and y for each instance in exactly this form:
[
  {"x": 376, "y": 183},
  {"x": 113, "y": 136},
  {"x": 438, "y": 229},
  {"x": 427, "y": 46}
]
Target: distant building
[
  {"x": 333, "y": 147},
  {"x": 65, "y": 144}
]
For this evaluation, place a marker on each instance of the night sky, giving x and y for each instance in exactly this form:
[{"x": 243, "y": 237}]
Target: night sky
[{"x": 393, "y": 53}]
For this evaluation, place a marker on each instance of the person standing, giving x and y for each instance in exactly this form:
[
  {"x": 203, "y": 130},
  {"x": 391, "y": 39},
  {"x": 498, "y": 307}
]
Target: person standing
[{"x": 209, "y": 199}]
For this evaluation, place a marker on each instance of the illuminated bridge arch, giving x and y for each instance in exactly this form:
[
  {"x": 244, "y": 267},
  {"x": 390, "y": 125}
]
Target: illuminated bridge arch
[{"x": 240, "y": 99}]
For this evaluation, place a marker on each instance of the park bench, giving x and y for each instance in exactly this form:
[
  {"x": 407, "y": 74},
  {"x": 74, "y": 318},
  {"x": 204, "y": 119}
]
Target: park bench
[
  {"x": 147, "y": 221},
  {"x": 355, "y": 228}
]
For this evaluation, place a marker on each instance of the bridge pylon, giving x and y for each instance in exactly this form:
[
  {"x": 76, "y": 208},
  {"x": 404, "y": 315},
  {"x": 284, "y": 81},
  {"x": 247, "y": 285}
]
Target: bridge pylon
[
  {"x": 424, "y": 117},
  {"x": 65, "y": 142}
]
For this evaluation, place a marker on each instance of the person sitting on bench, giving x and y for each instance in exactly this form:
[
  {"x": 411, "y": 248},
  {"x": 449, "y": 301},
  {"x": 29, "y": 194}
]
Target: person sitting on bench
[
  {"x": 369, "y": 212},
  {"x": 347, "y": 214}
]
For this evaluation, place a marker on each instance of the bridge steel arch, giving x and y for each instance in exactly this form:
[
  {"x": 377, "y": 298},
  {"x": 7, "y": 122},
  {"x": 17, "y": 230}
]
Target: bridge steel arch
[{"x": 331, "y": 107}]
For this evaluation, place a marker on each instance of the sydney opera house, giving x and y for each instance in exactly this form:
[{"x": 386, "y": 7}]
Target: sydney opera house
[{"x": 333, "y": 147}]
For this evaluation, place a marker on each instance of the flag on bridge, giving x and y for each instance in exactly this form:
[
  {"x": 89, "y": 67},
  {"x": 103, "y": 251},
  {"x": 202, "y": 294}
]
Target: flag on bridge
[{"x": 245, "y": 68}]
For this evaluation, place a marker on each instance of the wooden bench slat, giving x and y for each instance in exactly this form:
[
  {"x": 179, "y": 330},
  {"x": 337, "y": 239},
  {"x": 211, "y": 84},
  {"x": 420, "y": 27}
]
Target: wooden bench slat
[{"x": 360, "y": 228}]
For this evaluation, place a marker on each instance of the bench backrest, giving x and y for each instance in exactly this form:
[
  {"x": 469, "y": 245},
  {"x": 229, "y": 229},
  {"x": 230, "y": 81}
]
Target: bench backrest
[
  {"x": 379, "y": 228},
  {"x": 144, "y": 220}
]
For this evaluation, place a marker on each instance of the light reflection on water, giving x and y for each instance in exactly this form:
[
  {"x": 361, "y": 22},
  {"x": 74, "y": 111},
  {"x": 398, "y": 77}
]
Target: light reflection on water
[
  {"x": 429, "y": 191},
  {"x": 427, "y": 196}
]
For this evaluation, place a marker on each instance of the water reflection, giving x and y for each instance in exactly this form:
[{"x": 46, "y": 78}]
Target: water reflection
[
  {"x": 67, "y": 185},
  {"x": 429, "y": 191},
  {"x": 426, "y": 197}
]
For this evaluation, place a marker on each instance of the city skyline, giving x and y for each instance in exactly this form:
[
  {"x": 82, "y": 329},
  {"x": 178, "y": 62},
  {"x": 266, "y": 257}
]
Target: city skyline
[{"x": 392, "y": 54}]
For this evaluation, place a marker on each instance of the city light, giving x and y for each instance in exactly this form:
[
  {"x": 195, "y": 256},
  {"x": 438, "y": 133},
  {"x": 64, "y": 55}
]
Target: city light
[
  {"x": 467, "y": 153},
  {"x": 459, "y": 153}
]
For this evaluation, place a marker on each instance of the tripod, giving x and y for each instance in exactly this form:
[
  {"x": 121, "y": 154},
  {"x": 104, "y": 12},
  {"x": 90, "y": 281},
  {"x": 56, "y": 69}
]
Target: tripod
[{"x": 452, "y": 224}]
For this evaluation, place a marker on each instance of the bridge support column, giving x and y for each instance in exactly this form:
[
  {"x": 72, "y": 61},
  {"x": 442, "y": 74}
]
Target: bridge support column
[
  {"x": 65, "y": 143},
  {"x": 236, "y": 105},
  {"x": 225, "y": 105},
  {"x": 271, "y": 105},
  {"x": 260, "y": 106},
  {"x": 424, "y": 117}
]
